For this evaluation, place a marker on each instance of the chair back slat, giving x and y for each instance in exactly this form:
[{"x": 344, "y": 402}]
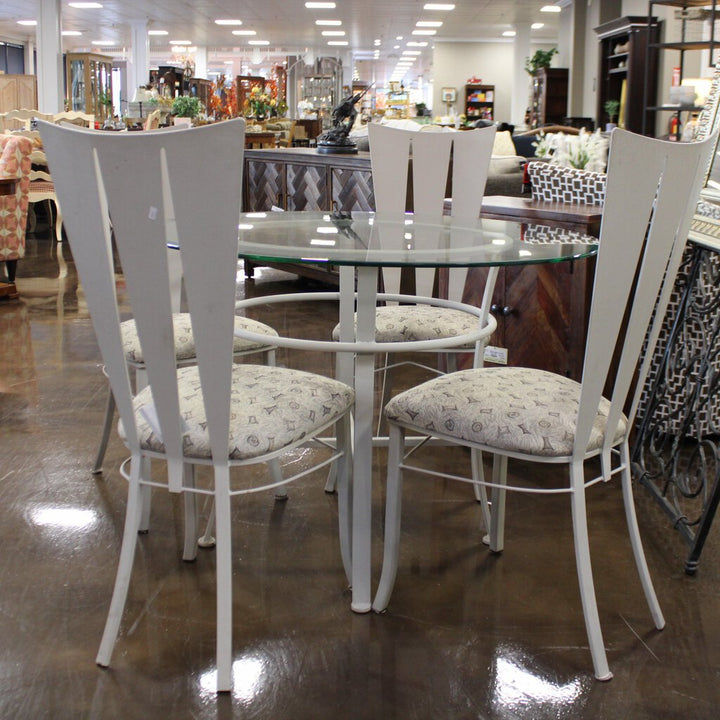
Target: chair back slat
[
  {"x": 158, "y": 188},
  {"x": 433, "y": 154},
  {"x": 650, "y": 198}
]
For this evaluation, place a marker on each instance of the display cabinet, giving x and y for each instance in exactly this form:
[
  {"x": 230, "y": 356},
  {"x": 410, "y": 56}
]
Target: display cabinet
[
  {"x": 480, "y": 102},
  {"x": 548, "y": 105},
  {"x": 89, "y": 84},
  {"x": 696, "y": 32}
]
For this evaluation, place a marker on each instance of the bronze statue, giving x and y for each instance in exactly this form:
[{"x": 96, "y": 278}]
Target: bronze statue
[{"x": 336, "y": 140}]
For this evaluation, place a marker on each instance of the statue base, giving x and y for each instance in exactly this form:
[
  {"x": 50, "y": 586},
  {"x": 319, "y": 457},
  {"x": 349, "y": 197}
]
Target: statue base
[{"x": 330, "y": 149}]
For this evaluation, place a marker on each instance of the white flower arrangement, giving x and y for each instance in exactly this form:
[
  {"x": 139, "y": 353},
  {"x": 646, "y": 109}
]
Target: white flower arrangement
[{"x": 585, "y": 151}]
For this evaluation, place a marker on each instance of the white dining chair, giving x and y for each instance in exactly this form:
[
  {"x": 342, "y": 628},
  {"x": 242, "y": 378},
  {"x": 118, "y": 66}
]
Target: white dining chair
[
  {"x": 533, "y": 415},
  {"x": 161, "y": 190},
  {"x": 462, "y": 158}
]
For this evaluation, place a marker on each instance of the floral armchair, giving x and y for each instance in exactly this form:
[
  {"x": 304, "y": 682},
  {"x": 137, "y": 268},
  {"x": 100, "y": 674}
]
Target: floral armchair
[{"x": 14, "y": 164}]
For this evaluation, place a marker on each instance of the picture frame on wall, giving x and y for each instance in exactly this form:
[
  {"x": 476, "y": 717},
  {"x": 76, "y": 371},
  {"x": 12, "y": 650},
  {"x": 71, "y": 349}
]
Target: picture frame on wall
[{"x": 449, "y": 95}]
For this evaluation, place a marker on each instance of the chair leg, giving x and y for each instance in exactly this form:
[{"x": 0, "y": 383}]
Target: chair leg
[
  {"x": 127, "y": 555},
  {"x": 107, "y": 427},
  {"x": 224, "y": 579},
  {"x": 497, "y": 515},
  {"x": 277, "y": 476},
  {"x": 635, "y": 541},
  {"x": 146, "y": 496},
  {"x": 478, "y": 475},
  {"x": 344, "y": 487},
  {"x": 393, "y": 512},
  {"x": 584, "y": 570},
  {"x": 208, "y": 540},
  {"x": 58, "y": 223},
  {"x": 190, "y": 502}
]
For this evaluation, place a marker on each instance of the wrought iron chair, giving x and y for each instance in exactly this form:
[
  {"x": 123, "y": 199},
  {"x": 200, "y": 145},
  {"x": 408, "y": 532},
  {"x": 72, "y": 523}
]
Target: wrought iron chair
[
  {"x": 538, "y": 416},
  {"x": 160, "y": 190}
]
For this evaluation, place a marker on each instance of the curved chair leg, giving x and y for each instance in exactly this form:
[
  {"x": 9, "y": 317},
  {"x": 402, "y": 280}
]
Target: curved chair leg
[
  {"x": 127, "y": 554},
  {"x": 635, "y": 541},
  {"x": 393, "y": 512},
  {"x": 584, "y": 570},
  {"x": 107, "y": 427},
  {"x": 224, "y": 579},
  {"x": 58, "y": 223},
  {"x": 208, "y": 539},
  {"x": 344, "y": 487}
]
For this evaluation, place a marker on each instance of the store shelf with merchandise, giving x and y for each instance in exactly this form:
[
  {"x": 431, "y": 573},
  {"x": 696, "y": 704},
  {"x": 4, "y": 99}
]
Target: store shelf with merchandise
[
  {"x": 697, "y": 32},
  {"x": 479, "y": 102}
]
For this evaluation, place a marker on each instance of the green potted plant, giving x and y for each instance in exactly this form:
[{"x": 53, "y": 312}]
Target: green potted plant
[
  {"x": 185, "y": 106},
  {"x": 611, "y": 107},
  {"x": 541, "y": 59}
]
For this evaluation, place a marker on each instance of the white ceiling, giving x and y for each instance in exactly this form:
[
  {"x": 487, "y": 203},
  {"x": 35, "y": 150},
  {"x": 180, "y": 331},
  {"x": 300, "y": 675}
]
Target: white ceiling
[{"x": 287, "y": 25}]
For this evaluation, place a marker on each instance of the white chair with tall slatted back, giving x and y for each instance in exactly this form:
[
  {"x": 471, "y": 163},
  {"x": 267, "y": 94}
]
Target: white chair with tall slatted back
[
  {"x": 160, "y": 190},
  {"x": 463, "y": 158},
  {"x": 533, "y": 415}
]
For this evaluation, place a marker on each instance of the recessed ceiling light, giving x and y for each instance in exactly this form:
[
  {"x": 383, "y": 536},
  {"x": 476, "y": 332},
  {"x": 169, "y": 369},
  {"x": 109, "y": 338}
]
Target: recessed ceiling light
[
  {"x": 412, "y": 43},
  {"x": 377, "y": 41},
  {"x": 71, "y": 33},
  {"x": 244, "y": 32},
  {"x": 157, "y": 32},
  {"x": 550, "y": 8},
  {"x": 27, "y": 22},
  {"x": 228, "y": 22},
  {"x": 337, "y": 42},
  {"x": 333, "y": 33},
  {"x": 329, "y": 22},
  {"x": 85, "y": 5},
  {"x": 424, "y": 32},
  {"x": 509, "y": 33},
  {"x": 411, "y": 52},
  {"x": 258, "y": 42},
  {"x": 103, "y": 43},
  {"x": 399, "y": 37},
  {"x": 181, "y": 42},
  {"x": 537, "y": 26},
  {"x": 320, "y": 5},
  {"x": 438, "y": 6},
  {"x": 396, "y": 47},
  {"x": 428, "y": 23}
]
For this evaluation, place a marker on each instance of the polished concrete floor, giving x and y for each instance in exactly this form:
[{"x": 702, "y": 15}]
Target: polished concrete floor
[{"x": 467, "y": 634}]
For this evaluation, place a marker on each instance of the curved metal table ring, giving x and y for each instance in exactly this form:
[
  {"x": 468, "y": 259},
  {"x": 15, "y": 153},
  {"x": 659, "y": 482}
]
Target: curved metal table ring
[{"x": 360, "y": 245}]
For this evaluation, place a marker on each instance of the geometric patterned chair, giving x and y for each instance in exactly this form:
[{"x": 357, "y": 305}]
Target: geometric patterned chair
[
  {"x": 15, "y": 165},
  {"x": 538, "y": 416},
  {"x": 160, "y": 190}
]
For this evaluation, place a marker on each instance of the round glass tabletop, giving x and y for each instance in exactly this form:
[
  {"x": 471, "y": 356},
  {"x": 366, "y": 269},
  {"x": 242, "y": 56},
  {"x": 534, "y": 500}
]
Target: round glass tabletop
[{"x": 366, "y": 238}]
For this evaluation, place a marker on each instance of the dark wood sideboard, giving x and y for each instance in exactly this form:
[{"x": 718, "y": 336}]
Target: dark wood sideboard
[{"x": 541, "y": 309}]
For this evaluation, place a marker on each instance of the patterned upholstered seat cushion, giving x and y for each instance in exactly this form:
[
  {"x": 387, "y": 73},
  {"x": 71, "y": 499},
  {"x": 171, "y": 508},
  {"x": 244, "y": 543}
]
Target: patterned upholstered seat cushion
[
  {"x": 402, "y": 323},
  {"x": 272, "y": 408},
  {"x": 184, "y": 341},
  {"x": 514, "y": 409}
]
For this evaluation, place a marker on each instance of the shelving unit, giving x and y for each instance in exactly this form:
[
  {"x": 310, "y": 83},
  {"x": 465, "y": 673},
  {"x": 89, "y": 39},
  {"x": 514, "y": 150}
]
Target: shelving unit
[
  {"x": 626, "y": 71},
  {"x": 548, "y": 104},
  {"x": 399, "y": 104},
  {"x": 693, "y": 16},
  {"x": 480, "y": 102}
]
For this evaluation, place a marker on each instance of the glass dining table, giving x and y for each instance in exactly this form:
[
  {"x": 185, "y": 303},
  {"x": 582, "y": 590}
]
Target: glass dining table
[{"x": 360, "y": 245}]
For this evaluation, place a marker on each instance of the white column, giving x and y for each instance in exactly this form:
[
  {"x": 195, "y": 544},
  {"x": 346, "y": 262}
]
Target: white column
[
  {"x": 138, "y": 68},
  {"x": 49, "y": 58},
  {"x": 29, "y": 58},
  {"x": 521, "y": 80},
  {"x": 201, "y": 63}
]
